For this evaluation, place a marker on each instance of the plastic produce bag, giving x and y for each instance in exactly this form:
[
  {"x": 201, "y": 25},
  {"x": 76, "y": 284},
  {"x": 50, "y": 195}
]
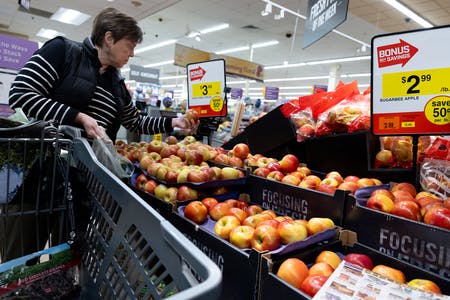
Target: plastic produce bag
[{"x": 107, "y": 154}]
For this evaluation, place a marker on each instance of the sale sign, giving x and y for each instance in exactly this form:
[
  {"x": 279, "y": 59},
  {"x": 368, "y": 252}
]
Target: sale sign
[{"x": 410, "y": 82}]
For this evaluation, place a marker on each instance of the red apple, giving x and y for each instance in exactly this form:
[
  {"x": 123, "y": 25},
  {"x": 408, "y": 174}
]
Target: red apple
[
  {"x": 407, "y": 209},
  {"x": 307, "y": 130},
  {"x": 192, "y": 114},
  {"x": 254, "y": 220},
  {"x": 186, "y": 193},
  {"x": 380, "y": 202},
  {"x": 222, "y": 158},
  {"x": 438, "y": 216},
  {"x": 241, "y": 150},
  {"x": 254, "y": 209},
  {"x": 326, "y": 187},
  {"x": 321, "y": 268},
  {"x": 405, "y": 186},
  {"x": 218, "y": 211},
  {"x": 336, "y": 175},
  {"x": 155, "y": 146},
  {"x": 383, "y": 192},
  {"x": 293, "y": 271},
  {"x": 141, "y": 180},
  {"x": 261, "y": 171},
  {"x": 402, "y": 195},
  {"x": 425, "y": 285},
  {"x": 289, "y": 163},
  {"x": 171, "y": 176},
  {"x": 351, "y": 178},
  {"x": 349, "y": 186},
  {"x": 197, "y": 175},
  {"x": 312, "y": 284},
  {"x": 209, "y": 202},
  {"x": 426, "y": 200},
  {"x": 329, "y": 257},
  {"x": 225, "y": 225},
  {"x": 273, "y": 166},
  {"x": 150, "y": 186},
  {"x": 241, "y": 236},
  {"x": 271, "y": 222},
  {"x": 291, "y": 232},
  {"x": 196, "y": 212},
  {"x": 275, "y": 175},
  {"x": 304, "y": 169},
  {"x": 193, "y": 157},
  {"x": 290, "y": 179},
  {"x": 365, "y": 182},
  {"x": 238, "y": 213},
  {"x": 300, "y": 175},
  {"x": 269, "y": 212},
  {"x": 318, "y": 224},
  {"x": 236, "y": 162},
  {"x": 171, "y": 140},
  {"x": 145, "y": 161},
  {"x": 359, "y": 259},
  {"x": 265, "y": 238},
  {"x": 390, "y": 273},
  {"x": 384, "y": 158}
]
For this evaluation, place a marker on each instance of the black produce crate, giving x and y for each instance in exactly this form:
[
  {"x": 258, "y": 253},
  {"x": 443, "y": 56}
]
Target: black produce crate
[
  {"x": 272, "y": 287},
  {"x": 294, "y": 201},
  {"x": 240, "y": 268},
  {"x": 417, "y": 243},
  {"x": 350, "y": 154},
  {"x": 266, "y": 134}
]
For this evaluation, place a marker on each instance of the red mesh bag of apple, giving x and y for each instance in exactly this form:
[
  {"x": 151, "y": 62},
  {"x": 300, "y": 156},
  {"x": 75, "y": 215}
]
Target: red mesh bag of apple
[
  {"x": 304, "y": 124},
  {"x": 396, "y": 151}
]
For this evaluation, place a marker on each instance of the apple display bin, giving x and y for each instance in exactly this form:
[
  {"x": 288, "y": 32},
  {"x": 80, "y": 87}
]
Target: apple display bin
[
  {"x": 273, "y": 287},
  {"x": 266, "y": 134},
  {"x": 129, "y": 250},
  {"x": 349, "y": 154},
  {"x": 417, "y": 243},
  {"x": 294, "y": 201}
]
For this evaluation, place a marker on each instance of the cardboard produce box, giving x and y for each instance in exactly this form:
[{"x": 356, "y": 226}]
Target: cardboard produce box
[
  {"x": 273, "y": 287},
  {"x": 417, "y": 243}
]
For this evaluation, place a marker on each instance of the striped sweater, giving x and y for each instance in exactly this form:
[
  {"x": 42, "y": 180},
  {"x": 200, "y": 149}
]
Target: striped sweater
[{"x": 32, "y": 88}]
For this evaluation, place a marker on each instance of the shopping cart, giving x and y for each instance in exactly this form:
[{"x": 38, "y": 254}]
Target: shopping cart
[{"x": 129, "y": 250}]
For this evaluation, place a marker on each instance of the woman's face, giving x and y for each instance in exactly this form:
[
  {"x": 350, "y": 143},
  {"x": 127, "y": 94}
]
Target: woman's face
[{"x": 120, "y": 52}]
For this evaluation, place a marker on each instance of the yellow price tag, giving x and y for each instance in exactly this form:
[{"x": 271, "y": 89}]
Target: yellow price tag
[
  {"x": 157, "y": 137},
  {"x": 416, "y": 83},
  {"x": 437, "y": 110},
  {"x": 206, "y": 89},
  {"x": 216, "y": 103}
]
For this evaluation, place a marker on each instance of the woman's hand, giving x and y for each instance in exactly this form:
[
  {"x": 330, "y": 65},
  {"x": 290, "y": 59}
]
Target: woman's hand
[
  {"x": 90, "y": 126},
  {"x": 186, "y": 124}
]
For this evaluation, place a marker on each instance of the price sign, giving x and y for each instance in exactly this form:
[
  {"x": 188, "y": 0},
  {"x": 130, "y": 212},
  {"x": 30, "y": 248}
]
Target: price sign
[
  {"x": 206, "y": 87},
  {"x": 410, "y": 82}
]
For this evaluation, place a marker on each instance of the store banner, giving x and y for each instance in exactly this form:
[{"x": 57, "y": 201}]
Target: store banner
[
  {"x": 15, "y": 52},
  {"x": 144, "y": 75},
  {"x": 317, "y": 88},
  {"x": 233, "y": 66},
  {"x": 236, "y": 93},
  {"x": 323, "y": 17},
  {"x": 271, "y": 93}
]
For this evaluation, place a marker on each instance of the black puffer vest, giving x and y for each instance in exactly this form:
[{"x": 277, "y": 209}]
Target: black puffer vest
[{"x": 79, "y": 79}]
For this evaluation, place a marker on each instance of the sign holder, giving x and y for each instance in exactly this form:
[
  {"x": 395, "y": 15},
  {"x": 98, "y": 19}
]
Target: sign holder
[{"x": 410, "y": 88}]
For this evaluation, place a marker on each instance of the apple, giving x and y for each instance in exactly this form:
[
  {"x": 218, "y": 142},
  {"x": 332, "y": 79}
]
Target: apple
[
  {"x": 261, "y": 171},
  {"x": 238, "y": 213},
  {"x": 183, "y": 175},
  {"x": 181, "y": 153},
  {"x": 197, "y": 175},
  {"x": 293, "y": 271},
  {"x": 327, "y": 188},
  {"x": 289, "y": 163},
  {"x": 310, "y": 182},
  {"x": 425, "y": 285},
  {"x": 290, "y": 179},
  {"x": 307, "y": 130},
  {"x": 254, "y": 220},
  {"x": 225, "y": 225},
  {"x": 275, "y": 175},
  {"x": 222, "y": 158},
  {"x": 196, "y": 212},
  {"x": 263, "y": 161},
  {"x": 446, "y": 202},
  {"x": 193, "y": 157},
  {"x": 219, "y": 210},
  {"x": 390, "y": 273},
  {"x": 168, "y": 151},
  {"x": 205, "y": 151},
  {"x": 312, "y": 284},
  {"x": 265, "y": 238},
  {"x": 380, "y": 202},
  {"x": 402, "y": 195},
  {"x": 171, "y": 140},
  {"x": 241, "y": 236},
  {"x": 155, "y": 146},
  {"x": 385, "y": 192},
  {"x": 159, "y": 191},
  {"x": 209, "y": 202},
  {"x": 329, "y": 257},
  {"x": 171, "y": 176},
  {"x": 150, "y": 186},
  {"x": 170, "y": 194},
  {"x": 236, "y": 162},
  {"x": 405, "y": 186},
  {"x": 376, "y": 181},
  {"x": 407, "y": 209},
  {"x": 273, "y": 166},
  {"x": 254, "y": 209},
  {"x": 384, "y": 158},
  {"x": 336, "y": 175},
  {"x": 144, "y": 161},
  {"x": 424, "y": 201},
  {"x": 321, "y": 268},
  {"x": 189, "y": 139},
  {"x": 271, "y": 222},
  {"x": 269, "y": 212},
  {"x": 422, "y": 194},
  {"x": 351, "y": 178},
  {"x": 141, "y": 180},
  {"x": 291, "y": 232},
  {"x": 186, "y": 193},
  {"x": 359, "y": 259},
  {"x": 241, "y": 150},
  {"x": 348, "y": 186},
  {"x": 161, "y": 172},
  {"x": 230, "y": 173},
  {"x": 317, "y": 224},
  {"x": 365, "y": 182},
  {"x": 298, "y": 174},
  {"x": 192, "y": 114},
  {"x": 438, "y": 216},
  {"x": 283, "y": 218},
  {"x": 304, "y": 169}
]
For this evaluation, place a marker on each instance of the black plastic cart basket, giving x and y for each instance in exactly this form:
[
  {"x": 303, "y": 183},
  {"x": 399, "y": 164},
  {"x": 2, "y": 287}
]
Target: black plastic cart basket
[{"x": 130, "y": 251}]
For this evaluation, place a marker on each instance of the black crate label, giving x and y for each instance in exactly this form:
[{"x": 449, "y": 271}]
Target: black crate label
[
  {"x": 217, "y": 258},
  {"x": 284, "y": 204}
]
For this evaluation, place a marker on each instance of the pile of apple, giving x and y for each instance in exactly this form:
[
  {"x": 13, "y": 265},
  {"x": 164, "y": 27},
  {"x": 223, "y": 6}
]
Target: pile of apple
[
  {"x": 309, "y": 280},
  {"x": 250, "y": 226},
  {"x": 403, "y": 200}
]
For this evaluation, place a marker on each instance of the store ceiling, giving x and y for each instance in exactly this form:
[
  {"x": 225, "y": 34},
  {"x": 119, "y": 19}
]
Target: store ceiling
[{"x": 162, "y": 20}]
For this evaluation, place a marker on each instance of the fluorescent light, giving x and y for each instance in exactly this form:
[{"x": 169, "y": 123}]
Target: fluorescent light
[
  {"x": 296, "y": 78},
  {"x": 294, "y": 93},
  {"x": 48, "y": 33},
  {"x": 162, "y": 44},
  {"x": 161, "y": 63},
  {"x": 265, "y": 44},
  {"x": 356, "y": 75},
  {"x": 233, "y": 50},
  {"x": 337, "y": 60},
  {"x": 409, "y": 13},
  {"x": 172, "y": 77},
  {"x": 70, "y": 16},
  {"x": 285, "y": 66},
  {"x": 214, "y": 28},
  {"x": 304, "y": 87},
  {"x": 169, "y": 85},
  {"x": 240, "y": 81}
]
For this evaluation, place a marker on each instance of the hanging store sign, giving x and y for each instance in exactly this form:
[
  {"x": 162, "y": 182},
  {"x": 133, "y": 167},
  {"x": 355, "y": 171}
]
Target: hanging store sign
[
  {"x": 271, "y": 93},
  {"x": 323, "y": 17},
  {"x": 236, "y": 93},
  {"x": 15, "y": 52},
  {"x": 410, "y": 86},
  {"x": 144, "y": 75},
  {"x": 206, "y": 88}
]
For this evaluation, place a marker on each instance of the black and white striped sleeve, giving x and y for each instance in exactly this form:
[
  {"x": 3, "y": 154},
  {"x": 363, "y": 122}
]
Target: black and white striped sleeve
[{"x": 33, "y": 84}]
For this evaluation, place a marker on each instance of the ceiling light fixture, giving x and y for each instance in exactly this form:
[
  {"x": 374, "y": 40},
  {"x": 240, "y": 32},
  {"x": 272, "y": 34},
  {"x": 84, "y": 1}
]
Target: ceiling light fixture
[
  {"x": 162, "y": 44},
  {"x": 237, "y": 49},
  {"x": 409, "y": 13},
  {"x": 297, "y": 78},
  {"x": 161, "y": 63},
  {"x": 48, "y": 33},
  {"x": 254, "y": 46},
  {"x": 70, "y": 16},
  {"x": 172, "y": 77},
  {"x": 280, "y": 15},
  {"x": 267, "y": 10},
  {"x": 318, "y": 62},
  {"x": 215, "y": 28},
  {"x": 265, "y": 44}
]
